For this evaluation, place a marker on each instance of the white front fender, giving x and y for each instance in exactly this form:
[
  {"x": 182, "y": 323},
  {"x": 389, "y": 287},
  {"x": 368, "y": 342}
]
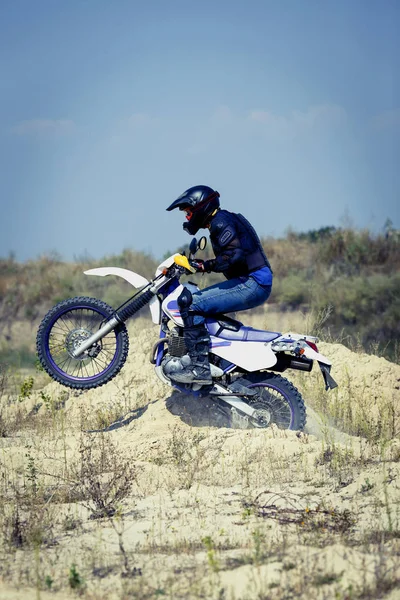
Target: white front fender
[
  {"x": 133, "y": 278},
  {"x": 136, "y": 280}
]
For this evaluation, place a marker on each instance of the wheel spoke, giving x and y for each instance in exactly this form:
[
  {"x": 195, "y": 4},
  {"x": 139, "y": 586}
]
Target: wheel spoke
[
  {"x": 62, "y": 326},
  {"x": 87, "y": 372},
  {"x": 276, "y": 404},
  {"x": 68, "y": 331},
  {"x": 67, "y": 326}
]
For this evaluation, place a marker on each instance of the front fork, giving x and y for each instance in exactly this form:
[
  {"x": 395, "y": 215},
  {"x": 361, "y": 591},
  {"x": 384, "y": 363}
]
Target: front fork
[
  {"x": 102, "y": 332},
  {"x": 122, "y": 314}
]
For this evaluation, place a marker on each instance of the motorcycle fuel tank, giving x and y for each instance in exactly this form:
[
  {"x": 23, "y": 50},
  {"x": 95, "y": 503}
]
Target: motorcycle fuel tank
[{"x": 170, "y": 303}]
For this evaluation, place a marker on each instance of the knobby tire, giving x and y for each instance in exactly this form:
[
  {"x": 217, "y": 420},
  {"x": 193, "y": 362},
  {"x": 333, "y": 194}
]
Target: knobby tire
[{"x": 50, "y": 320}]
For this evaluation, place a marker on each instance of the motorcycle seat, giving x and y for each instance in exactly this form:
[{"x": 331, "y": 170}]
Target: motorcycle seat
[{"x": 230, "y": 329}]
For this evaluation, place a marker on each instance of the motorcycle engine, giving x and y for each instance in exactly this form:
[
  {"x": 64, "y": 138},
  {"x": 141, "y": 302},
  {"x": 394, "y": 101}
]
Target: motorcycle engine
[
  {"x": 176, "y": 342},
  {"x": 172, "y": 364},
  {"x": 177, "y": 357}
]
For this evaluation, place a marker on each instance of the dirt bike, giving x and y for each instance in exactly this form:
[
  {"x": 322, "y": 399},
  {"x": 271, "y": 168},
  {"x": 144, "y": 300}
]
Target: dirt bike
[{"x": 83, "y": 343}]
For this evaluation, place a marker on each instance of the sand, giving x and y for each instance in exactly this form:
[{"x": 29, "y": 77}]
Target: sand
[{"x": 193, "y": 524}]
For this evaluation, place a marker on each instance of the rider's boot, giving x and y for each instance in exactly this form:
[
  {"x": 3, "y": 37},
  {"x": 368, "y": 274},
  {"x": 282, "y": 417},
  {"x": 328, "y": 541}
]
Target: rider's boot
[{"x": 197, "y": 340}]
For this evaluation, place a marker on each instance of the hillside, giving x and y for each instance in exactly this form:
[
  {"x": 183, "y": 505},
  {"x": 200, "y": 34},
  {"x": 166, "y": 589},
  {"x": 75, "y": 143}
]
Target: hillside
[
  {"x": 129, "y": 491},
  {"x": 341, "y": 284}
]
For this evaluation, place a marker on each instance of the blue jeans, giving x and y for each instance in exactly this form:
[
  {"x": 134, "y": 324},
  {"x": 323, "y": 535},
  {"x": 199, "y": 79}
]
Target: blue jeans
[{"x": 231, "y": 295}]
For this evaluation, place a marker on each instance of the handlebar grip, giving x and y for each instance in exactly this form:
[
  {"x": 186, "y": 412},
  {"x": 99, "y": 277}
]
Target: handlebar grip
[{"x": 182, "y": 261}]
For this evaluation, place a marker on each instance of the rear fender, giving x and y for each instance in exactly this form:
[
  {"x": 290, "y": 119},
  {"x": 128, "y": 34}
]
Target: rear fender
[
  {"x": 289, "y": 341},
  {"x": 296, "y": 341},
  {"x": 310, "y": 353},
  {"x": 136, "y": 280},
  {"x": 324, "y": 364}
]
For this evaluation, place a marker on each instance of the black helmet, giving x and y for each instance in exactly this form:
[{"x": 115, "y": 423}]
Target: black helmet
[{"x": 200, "y": 201}]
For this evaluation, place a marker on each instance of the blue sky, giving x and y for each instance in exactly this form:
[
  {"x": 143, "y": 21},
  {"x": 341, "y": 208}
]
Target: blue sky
[{"x": 110, "y": 110}]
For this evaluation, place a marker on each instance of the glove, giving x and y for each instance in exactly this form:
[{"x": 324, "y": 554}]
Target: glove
[
  {"x": 197, "y": 264},
  {"x": 202, "y": 266},
  {"x": 209, "y": 265}
]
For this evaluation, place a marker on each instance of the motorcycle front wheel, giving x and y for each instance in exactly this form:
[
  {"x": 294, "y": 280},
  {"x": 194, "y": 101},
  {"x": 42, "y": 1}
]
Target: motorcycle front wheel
[
  {"x": 64, "y": 328},
  {"x": 278, "y": 401}
]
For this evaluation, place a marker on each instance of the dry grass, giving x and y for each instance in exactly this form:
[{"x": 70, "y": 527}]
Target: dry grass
[{"x": 151, "y": 507}]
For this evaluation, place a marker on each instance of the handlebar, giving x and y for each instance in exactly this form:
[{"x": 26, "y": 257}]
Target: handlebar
[{"x": 182, "y": 261}]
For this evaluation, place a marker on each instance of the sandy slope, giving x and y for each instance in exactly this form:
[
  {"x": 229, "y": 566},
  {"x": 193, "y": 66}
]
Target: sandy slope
[{"x": 193, "y": 523}]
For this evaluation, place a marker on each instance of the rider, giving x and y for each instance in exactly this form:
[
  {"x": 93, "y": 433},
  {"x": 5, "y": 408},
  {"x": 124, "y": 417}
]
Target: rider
[{"x": 238, "y": 255}]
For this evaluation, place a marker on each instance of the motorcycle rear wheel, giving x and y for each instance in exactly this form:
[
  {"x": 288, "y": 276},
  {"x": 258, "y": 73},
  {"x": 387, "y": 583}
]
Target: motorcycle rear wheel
[
  {"x": 64, "y": 327},
  {"x": 279, "y": 399}
]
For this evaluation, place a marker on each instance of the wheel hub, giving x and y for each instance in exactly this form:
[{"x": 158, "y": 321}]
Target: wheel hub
[
  {"x": 75, "y": 338},
  {"x": 262, "y": 417}
]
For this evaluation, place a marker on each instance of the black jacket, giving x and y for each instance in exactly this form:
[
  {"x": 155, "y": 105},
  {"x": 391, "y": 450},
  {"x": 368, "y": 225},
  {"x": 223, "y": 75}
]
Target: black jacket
[{"x": 237, "y": 247}]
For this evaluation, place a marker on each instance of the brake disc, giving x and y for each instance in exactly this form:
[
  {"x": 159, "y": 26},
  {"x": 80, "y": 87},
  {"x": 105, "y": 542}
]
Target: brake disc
[{"x": 75, "y": 338}]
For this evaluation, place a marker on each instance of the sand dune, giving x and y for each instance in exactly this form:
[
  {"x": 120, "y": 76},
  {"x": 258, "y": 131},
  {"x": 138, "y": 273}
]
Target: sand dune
[{"x": 213, "y": 511}]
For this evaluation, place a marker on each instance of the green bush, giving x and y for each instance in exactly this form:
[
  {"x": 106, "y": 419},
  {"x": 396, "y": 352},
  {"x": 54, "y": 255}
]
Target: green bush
[
  {"x": 292, "y": 291},
  {"x": 349, "y": 251},
  {"x": 355, "y": 272},
  {"x": 21, "y": 358}
]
